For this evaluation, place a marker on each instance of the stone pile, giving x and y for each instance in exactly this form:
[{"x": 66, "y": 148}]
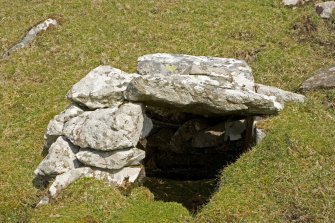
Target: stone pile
[{"x": 179, "y": 115}]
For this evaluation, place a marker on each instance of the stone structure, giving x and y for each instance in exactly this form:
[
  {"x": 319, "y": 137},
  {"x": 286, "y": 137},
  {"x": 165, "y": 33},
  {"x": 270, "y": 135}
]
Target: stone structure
[{"x": 181, "y": 116}]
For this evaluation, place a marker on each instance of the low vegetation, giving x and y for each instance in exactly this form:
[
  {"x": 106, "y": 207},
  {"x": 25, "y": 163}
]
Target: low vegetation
[{"x": 287, "y": 178}]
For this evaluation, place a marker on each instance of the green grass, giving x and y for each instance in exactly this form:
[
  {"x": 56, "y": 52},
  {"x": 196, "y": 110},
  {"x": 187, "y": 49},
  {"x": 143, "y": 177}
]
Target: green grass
[{"x": 289, "y": 177}]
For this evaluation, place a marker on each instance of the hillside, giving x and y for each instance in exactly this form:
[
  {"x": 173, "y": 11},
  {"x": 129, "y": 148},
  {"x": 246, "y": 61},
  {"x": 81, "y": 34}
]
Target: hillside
[{"x": 289, "y": 177}]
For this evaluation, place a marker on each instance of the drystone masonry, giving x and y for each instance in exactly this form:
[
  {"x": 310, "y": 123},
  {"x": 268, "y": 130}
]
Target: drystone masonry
[{"x": 179, "y": 115}]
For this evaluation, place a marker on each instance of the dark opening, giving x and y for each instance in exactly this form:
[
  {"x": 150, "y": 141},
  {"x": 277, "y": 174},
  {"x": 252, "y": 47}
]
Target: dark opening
[{"x": 185, "y": 154}]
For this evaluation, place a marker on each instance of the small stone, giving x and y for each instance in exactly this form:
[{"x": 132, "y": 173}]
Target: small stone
[
  {"x": 61, "y": 158},
  {"x": 323, "y": 79},
  {"x": 43, "y": 201},
  {"x": 107, "y": 129},
  {"x": 325, "y": 9},
  {"x": 101, "y": 88},
  {"x": 112, "y": 177},
  {"x": 30, "y": 36},
  {"x": 111, "y": 160},
  {"x": 294, "y": 2},
  {"x": 260, "y": 135}
]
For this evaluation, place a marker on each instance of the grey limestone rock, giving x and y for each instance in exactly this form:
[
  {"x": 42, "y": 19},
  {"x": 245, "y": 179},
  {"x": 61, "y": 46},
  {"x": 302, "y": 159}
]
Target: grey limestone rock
[
  {"x": 323, "y": 79},
  {"x": 209, "y": 137},
  {"x": 112, "y": 177},
  {"x": 281, "y": 95},
  {"x": 198, "y": 94},
  {"x": 107, "y": 129},
  {"x": 30, "y": 36},
  {"x": 55, "y": 126},
  {"x": 325, "y": 9},
  {"x": 101, "y": 88},
  {"x": 237, "y": 71},
  {"x": 111, "y": 159},
  {"x": 61, "y": 158},
  {"x": 294, "y": 2}
]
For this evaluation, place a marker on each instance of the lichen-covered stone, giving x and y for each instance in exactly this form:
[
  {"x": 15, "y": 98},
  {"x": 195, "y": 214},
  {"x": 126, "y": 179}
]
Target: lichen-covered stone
[
  {"x": 107, "y": 129},
  {"x": 198, "y": 94},
  {"x": 325, "y": 9},
  {"x": 235, "y": 70},
  {"x": 111, "y": 159},
  {"x": 112, "y": 177},
  {"x": 61, "y": 158},
  {"x": 101, "y": 88},
  {"x": 55, "y": 126},
  {"x": 281, "y": 95},
  {"x": 30, "y": 36},
  {"x": 323, "y": 79}
]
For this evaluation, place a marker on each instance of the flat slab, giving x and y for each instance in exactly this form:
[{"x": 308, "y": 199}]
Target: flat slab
[
  {"x": 198, "y": 94},
  {"x": 168, "y": 64}
]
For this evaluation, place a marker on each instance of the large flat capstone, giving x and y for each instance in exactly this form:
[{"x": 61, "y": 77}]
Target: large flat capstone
[
  {"x": 237, "y": 71},
  {"x": 199, "y": 94}
]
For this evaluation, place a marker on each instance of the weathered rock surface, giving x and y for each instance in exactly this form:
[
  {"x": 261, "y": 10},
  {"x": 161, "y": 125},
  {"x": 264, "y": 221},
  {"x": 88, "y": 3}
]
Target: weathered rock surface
[
  {"x": 199, "y": 94},
  {"x": 182, "y": 139},
  {"x": 323, "y": 79},
  {"x": 55, "y": 126},
  {"x": 209, "y": 137},
  {"x": 30, "y": 36},
  {"x": 234, "y": 70},
  {"x": 147, "y": 127},
  {"x": 112, "y": 177},
  {"x": 325, "y": 9},
  {"x": 107, "y": 129},
  {"x": 294, "y": 2},
  {"x": 61, "y": 158},
  {"x": 281, "y": 95},
  {"x": 102, "y": 87},
  {"x": 111, "y": 160}
]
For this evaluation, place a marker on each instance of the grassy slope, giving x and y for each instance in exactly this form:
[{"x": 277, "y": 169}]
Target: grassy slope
[{"x": 288, "y": 177}]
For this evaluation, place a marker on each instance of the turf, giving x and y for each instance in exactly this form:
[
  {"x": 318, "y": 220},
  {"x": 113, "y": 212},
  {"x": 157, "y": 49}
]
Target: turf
[{"x": 289, "y": 177}]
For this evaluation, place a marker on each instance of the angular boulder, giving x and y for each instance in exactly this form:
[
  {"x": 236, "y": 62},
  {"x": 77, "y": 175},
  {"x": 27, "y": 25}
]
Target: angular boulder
[
  {"x": 55, "y": 126},
  {"x": 61, "y": 158},
  {"x": 323, "y": 79},
  {"x": 112, "y": 177},
  {"x": 101, "y": 88},
  {"x": 281, "y": 95},
  {"x": 198, "y": 94},
  {"x": 111, "y": 160},
  {"x": 169, "y": 64},
  {"x": 107, "y": 129}
]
